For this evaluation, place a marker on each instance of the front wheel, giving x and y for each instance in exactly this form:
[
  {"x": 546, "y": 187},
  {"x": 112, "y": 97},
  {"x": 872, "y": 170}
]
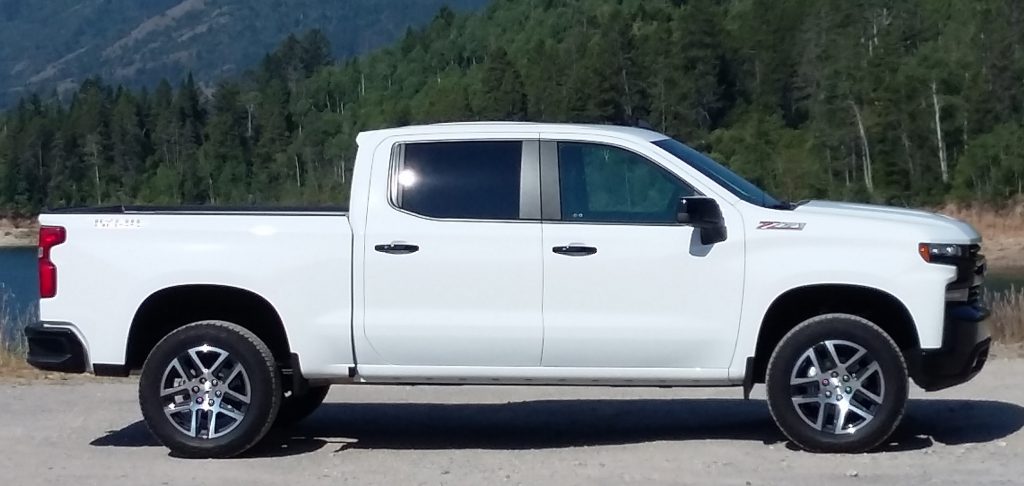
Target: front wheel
[
  {"x": 837, "y": 383},
  {"x": 210, "y": 389}
]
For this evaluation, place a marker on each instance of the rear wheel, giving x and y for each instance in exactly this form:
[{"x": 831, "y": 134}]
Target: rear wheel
[
  {"x": 210, "y": 389},
  {"x": 837, "y": 383}
]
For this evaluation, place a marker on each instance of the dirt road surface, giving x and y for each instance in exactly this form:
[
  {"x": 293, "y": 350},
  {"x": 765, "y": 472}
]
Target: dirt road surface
[{"x": 86, "y": 432}]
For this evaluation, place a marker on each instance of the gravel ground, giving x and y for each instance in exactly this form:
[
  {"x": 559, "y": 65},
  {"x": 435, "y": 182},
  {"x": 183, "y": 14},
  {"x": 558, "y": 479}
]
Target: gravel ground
[{"x": 86, "y": 432}]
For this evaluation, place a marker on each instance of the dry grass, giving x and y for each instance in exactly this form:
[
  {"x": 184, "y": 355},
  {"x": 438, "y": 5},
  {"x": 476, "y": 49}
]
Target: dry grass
[
  {"x": 12, "y": 340},
  {"x": 1002, "y": 229},
  {"x": 992, "y": 222},
  {"x": 18, "y": 232},
  {"x": 1007, "y": 321}
]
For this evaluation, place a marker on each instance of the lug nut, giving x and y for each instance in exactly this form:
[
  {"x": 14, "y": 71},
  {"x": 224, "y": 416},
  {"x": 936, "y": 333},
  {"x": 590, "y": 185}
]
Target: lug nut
[
  {"x": 849, "y": 390},
  {"x": 846, "y": 377},
  {"x": 839, "y": 397},
  {"x": 215, "y": 383},
  {"x": 828, "y": 394},
  {"x": 202, "y": 380},
  {"x": 195, "y": 389},
  {"x": 218, "y": 393},
  {"x": 212, "y": 403},
  {"x": 835, "y": 374},
  {"x": 199, "y": 400},
  {"x": 824, "y": 382}
]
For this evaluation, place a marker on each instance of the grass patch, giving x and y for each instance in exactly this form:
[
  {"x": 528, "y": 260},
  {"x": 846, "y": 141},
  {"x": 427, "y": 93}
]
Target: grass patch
[
  {"x": 1002, "y": 229},
  {"x": 12, "y": 337},
  {"x": 1007, "y": 321},
  {"x": 995, "y": 223}
]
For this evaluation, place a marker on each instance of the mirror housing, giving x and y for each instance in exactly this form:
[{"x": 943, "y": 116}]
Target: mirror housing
[{"x": 704, "y": 214}]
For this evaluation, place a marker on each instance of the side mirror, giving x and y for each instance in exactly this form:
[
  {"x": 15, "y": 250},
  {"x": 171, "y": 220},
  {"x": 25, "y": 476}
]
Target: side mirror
[{"x": 704, "y": 214}]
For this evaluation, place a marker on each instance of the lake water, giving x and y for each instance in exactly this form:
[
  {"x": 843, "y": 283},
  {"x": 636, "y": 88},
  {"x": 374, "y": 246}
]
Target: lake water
[{"x": 1002, "y": 281}]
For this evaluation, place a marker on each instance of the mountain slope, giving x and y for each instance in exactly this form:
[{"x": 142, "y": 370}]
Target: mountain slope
[{"x": 58, "y": 43}]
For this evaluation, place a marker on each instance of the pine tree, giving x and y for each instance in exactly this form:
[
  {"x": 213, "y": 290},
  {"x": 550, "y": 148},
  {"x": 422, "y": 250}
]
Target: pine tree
[{"x": 500, "y": 93}]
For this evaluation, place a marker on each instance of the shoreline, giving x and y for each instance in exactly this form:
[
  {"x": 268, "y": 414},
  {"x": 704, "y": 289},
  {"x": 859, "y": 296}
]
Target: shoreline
[
  {"x": 18, "y": 233},
  {"x": 18, "y": 240}
]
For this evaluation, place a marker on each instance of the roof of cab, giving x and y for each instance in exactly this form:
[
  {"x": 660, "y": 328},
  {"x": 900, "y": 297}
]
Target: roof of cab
[{"x": 498, "y": 127}]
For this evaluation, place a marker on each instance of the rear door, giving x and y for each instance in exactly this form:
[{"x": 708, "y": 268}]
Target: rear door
[
  {"x": 625, "y": 285},
  {"x": 453, "y": 258}
]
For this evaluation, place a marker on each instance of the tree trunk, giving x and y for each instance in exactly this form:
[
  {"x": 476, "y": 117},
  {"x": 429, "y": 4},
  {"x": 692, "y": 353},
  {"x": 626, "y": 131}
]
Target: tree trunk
[
  {"x": 249, "y": 109},
  {"x": 943, "y": 165},
  {"x": 828, "y": 170},
  {"x": 664, "y": 108},
  {"x": 851, "y": 165},
  {"x": 96, "y": 168},
  {"x": 628, "y": 98},
  {"x": 96, "y": 171},
  {"x": 910, "y": 158},
  {"x": 868, "y": 179}
]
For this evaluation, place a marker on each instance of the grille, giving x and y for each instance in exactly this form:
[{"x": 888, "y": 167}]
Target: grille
[{"x": 976, "y": 278}]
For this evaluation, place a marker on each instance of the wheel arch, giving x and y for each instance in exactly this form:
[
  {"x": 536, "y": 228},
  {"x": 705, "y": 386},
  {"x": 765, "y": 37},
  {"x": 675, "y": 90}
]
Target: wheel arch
[
  {"x": 797, "y": 305},
  {"x": 174, "y": 307}
]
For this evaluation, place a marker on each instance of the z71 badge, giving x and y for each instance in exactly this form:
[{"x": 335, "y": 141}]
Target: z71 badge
[{"x": 779, "y": 225}]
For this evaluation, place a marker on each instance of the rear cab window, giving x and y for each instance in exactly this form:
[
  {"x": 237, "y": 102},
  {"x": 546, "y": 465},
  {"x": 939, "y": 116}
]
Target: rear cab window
[{"x": 474, "y": 180}]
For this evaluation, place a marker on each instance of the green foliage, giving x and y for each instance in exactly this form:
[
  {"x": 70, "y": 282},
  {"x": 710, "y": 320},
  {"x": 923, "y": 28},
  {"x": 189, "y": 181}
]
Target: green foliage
[
  {"x": 992, "y": 167},
  {"x": 907, "y": 102}
]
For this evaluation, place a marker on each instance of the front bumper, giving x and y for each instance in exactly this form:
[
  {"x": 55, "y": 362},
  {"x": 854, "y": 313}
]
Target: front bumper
[
  {"x": 965, "y": 348},
  {"x": 52, "y": 347}
]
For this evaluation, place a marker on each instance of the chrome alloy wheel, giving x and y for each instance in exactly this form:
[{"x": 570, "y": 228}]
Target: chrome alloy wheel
[
  {"x": 206, "y": 392},
  {"x": 837, "y": 387}
]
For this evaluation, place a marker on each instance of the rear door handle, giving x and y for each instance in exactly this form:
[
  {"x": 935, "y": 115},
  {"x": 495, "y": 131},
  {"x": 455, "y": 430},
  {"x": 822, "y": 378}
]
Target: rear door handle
[
  {"x": 397, "y": 248},
  {"x": 574, "y": 250}
]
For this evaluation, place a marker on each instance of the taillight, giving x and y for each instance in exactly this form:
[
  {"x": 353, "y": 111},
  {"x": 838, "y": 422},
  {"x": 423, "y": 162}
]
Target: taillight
[{"x": 49, "y": 237}]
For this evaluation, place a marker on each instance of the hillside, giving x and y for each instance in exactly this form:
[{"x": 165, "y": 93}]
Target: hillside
[
  {"x": 58, "y": 43},
  {"x": 911, "y": 103}
]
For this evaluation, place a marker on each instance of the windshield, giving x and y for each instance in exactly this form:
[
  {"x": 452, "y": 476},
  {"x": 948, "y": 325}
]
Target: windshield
[{"x": 719, "y": 173}]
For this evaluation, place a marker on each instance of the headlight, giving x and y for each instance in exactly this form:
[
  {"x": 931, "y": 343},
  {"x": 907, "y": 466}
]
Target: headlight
[{"x": 940, "y": 252}]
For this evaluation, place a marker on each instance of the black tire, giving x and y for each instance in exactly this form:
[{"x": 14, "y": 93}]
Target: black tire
[
  {"x": 253, "y": 375},
  {"x": 789, "y": 363},
  {"x": 296, "y": 407}
]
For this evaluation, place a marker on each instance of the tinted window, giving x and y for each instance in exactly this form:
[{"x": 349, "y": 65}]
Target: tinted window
[
  {"x": 463, "y": 180},
  {"x": 726, "y": 178},
  {"x": 601, "y": 183}
]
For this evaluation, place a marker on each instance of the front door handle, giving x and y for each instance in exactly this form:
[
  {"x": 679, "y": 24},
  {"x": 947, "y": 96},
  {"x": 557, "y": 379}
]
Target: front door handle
[
  {"x": 397, "y": 248},
  {"x": 574, "y": 250}
]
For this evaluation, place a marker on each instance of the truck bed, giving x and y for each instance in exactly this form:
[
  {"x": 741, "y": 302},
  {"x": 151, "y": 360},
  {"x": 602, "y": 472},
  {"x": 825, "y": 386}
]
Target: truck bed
[{"x": 116, "y": 258}]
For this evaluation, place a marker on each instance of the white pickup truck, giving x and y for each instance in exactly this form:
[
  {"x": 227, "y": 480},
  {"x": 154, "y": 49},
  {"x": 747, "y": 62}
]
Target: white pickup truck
[{"x": 519, "y": 254}]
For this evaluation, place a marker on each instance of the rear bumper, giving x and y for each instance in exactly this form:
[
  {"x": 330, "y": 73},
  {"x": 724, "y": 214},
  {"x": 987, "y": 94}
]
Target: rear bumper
[
  {"x": 965, "y": 348},
  {"x": 55, "y": 347}
]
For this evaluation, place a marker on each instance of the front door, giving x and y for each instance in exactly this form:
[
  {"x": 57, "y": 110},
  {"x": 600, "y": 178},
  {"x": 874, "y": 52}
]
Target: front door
[
  {"x": 625, "y": 285},
  {"x": 452, "y": 272}
]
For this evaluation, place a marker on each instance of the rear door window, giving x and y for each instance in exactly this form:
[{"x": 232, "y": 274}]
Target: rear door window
[{"x": 460, "y": 180}]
